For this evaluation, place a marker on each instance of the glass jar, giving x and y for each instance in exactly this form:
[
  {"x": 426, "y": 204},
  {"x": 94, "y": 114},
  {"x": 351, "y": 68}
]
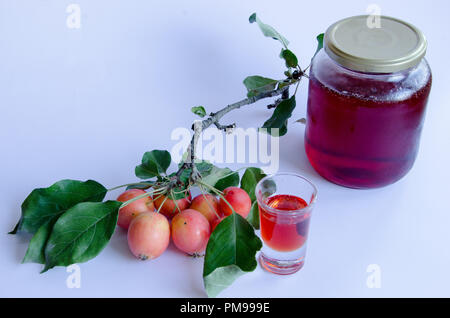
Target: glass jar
[{"x": 368, "y": 93}]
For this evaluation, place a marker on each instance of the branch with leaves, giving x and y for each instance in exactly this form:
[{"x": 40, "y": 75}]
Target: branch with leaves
[
  {"x": 258, "y": 88},
  {"x": 71, "y": 224}
]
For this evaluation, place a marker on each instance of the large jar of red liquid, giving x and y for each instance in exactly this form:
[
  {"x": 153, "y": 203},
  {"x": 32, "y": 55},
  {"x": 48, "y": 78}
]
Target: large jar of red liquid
[{"x": 368, "y": 93}]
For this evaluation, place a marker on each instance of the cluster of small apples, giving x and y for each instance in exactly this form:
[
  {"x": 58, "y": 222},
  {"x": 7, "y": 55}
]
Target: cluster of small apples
[{"x": 151, "y": 223}]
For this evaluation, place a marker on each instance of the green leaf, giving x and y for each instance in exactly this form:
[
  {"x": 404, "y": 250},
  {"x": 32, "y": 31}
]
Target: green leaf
[
  {"x": 284, "y": 84},
  {"x": 221, "y": 178},
  {"x": 221, "y": 278},
  {"x": 319, "y": 43},
  {"x": 250, "y": 179},
  {"x": 16, "y": 228},
  {"x": 253, "y": 216},
  {"x": 280, "y": 117},
  {"x": 289, "y": 57},
  {"x": 229, "y": 180},
  {"x": 257, "y": 84},
  {"x": 154, "y": 163},
  {"x": 203, "y": 167},
  {"x": 81, "y": 233},
  {"x": 36, "y": 249},
  {"x": 178, "y": 193},
  {"x": 230, "y": 253},
  {"x": 199, "y": 110},
  {"x": 44, "y": 204},
  {"x": 269, "y": 31},
  {"x": 142, "y": 185}
]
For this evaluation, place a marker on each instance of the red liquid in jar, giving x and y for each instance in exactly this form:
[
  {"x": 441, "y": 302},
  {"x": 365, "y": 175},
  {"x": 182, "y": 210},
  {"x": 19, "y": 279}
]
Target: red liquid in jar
[
  {"x": 284, "y": 233},
  {"x": 361, "y": 142}
]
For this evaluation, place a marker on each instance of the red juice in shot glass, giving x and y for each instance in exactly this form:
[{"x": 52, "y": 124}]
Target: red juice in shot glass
[
  {"x": 284, "y": 236},
  {"x": 285, "y": 205}
]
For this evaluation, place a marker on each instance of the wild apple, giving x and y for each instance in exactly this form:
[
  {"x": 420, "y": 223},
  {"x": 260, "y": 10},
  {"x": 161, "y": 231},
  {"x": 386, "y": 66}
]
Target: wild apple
[{"x": 129, "y": 212}]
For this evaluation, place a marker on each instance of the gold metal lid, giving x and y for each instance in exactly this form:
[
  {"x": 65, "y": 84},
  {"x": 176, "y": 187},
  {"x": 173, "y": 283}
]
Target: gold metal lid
[{"x": 360, "y": 44}]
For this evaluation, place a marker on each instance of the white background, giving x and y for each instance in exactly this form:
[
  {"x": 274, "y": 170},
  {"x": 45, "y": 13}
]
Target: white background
[{"x": 87, "y": 103}]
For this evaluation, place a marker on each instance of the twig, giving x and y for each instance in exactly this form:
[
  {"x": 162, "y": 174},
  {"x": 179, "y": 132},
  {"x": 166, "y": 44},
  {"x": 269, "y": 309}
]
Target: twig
[
  {"x": 225, "y": 128},
  {"x": 214, "y": 119}
]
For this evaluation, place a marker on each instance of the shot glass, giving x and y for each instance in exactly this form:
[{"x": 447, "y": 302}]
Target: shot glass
[{"x": 285, "y": 203}]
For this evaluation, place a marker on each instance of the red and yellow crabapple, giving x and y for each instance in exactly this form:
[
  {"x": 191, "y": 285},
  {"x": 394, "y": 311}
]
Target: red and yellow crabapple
[
  {"x": 238, "y": 199},
  {"x": 148, "y": 235},
  {"x": 190, "y": 231},
  {"x": 208, "y": 205},
  {"x": 129, "y": 212},
  {"x": 167, "y": 206},
  {"x": 215, "y": 223}
]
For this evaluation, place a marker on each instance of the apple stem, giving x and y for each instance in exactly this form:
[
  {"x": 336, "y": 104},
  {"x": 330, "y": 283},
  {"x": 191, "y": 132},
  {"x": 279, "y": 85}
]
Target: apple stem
[
  {"x": 207, "y": 201},
  {"x": 219, "y": 193}
]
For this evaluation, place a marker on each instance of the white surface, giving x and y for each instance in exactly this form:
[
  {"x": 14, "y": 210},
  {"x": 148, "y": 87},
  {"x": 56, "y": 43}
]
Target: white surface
[{"x": 88, "y": 103}]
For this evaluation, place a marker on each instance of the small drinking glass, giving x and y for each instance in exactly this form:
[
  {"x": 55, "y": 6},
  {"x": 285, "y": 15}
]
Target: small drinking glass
[{"x": 285, "y": 205}]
